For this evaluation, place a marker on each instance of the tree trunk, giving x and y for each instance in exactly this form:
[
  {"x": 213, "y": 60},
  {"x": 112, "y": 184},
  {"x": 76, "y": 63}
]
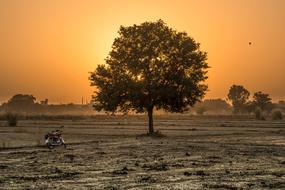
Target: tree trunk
[{"x": 150, "y": 120}]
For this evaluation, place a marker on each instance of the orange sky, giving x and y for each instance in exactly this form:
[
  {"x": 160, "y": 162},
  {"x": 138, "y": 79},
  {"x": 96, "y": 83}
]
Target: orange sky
[{"x": 47, "y": 47}]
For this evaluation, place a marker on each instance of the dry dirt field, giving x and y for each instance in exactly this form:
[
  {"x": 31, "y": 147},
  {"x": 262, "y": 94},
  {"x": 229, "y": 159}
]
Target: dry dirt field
[{"x": 104, "y": 152}]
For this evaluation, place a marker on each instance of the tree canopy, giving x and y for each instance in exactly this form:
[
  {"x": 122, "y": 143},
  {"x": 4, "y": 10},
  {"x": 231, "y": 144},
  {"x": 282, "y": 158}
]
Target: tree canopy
[
  {"x": 238, "y": 95},
  {"x": 150, "y": 66},
  {"x": 263, "y": 101},
  {"x": 21, "y": 102}
]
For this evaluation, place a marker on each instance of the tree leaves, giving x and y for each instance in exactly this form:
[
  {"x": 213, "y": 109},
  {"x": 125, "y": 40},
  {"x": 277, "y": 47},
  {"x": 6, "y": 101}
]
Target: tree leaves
[
  {"x": 239, "y": 96},
  {"x": 150, "y": 65}
]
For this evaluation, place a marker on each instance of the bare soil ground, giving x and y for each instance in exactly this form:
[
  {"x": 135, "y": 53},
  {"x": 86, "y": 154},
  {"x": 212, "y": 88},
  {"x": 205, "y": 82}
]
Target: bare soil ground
[{"x": 209, "y": 152}]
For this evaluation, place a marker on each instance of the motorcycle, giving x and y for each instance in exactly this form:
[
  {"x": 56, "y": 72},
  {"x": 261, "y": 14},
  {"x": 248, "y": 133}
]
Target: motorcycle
[{"x": 54, "y": 139}]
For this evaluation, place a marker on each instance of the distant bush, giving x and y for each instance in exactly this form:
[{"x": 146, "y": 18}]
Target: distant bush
[
  {"x": 259, "y": 114},
  {"x": 12, "y": 119},
  {"x": 200, "y": 110},
  {"x": 276, "y": 115}
]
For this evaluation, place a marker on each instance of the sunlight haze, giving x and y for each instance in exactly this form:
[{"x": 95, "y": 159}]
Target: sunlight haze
[{"x": 48, "y": 47}]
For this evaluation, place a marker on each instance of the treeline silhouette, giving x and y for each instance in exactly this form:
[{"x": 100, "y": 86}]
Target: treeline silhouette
[
  {"x": 27, "y": 107},
  {"x": 212, "y": 107},
  {"x": 239, "y": 97},
  {"x": 24, "y": 104}
]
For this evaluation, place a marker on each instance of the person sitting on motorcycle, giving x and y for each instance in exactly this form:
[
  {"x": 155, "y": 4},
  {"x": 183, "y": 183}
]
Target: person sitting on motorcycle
[{"x": 57, "y": 134}]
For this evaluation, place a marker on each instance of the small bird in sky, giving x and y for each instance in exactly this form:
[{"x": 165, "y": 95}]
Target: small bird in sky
[{"x": 249, "y": 43}]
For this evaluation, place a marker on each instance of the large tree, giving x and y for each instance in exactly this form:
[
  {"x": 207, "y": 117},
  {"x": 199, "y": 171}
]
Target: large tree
[
  {"x": 150, "y": 66},
  {"x": 238, "y": 95}
]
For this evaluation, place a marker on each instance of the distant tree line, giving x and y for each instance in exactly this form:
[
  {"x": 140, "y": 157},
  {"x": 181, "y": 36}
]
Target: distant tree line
[
  {"x": 261, "y": 103},
  {"x": 26, "y": 104},
  {"x": 238, "y": 102},
  {"x": 238, "y": 96},
  {"x": 212, "y": 106}
]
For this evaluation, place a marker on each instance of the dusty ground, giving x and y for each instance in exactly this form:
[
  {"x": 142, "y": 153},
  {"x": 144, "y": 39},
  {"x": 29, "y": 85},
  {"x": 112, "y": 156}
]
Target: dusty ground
[{"x": 110, "y": 153}]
